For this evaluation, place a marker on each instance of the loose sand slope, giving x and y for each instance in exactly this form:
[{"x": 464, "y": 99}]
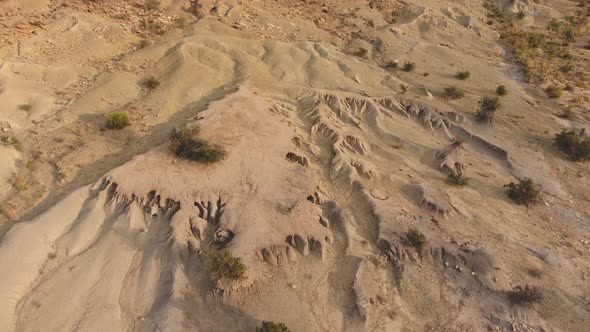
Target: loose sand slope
[{"x": 330, "y": 162}]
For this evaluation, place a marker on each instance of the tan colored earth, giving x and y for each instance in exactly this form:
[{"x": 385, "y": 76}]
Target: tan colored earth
[{"x": 333, "y": 157}]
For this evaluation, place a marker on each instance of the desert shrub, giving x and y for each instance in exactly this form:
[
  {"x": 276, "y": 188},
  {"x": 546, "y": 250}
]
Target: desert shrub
[
  {"x": 567, "y": 113},
  {"x": 501, "y": 90},
  {"x": 456, "y": 179},
  {"x": 525, "y": 295},
  {"x": 143, "y": 43},
  {"x": 569, "y": 35},
  {"x": 361, "y": 52},
  {"x": 416, "y": 239},
  {"x": 25, "y": 107},
  {"x": 554, "y": 25},
  {"x": 574, "y": 144},
  {"x": 272, "y": 327},
  {"x": 409, "y": 66},
  {"x": 523, "y": 193},
  {"x": 569, "y": 87},
  {"x": 117, "y": 120},
  {"x": 487, "y": 108},
  {"x": 223, "y": 265},
  {"x": 187, "y": 146},
  {"x": 11, "y": 141},
  {"x": 463, "y": 75},
  {"x": 151, "y": 83},
  {"x": 152, "y": 4},
  {"x": 520, "y": 15},
  {"x": 426, "y": 74},
  {"x": 453, "y": 92},
  {"x": 404, "y": 88},
  {"x": 391, "y": 65},
  {"x": 553, "y": 91}
]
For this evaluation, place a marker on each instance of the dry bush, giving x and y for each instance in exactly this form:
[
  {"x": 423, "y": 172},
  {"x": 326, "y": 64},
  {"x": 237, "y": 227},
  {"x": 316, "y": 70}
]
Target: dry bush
[
  {"x": 487, "y": 108},
  {"x": 501, "y": 90},
  {"x": 409, "y": 66},
  {"x": 553, "y": 91},
  {"x": 453, "y": 92},
  {"x": 457, "y": 179},
  {"x": 272, "y": 327},
  {"x": 187, "y": 145},
  {"x": 151, "y": 83},
  {"x": 416, "y": 239},
  {"x": 525, "y": 192},
  {"x": 463, "y": 75}
]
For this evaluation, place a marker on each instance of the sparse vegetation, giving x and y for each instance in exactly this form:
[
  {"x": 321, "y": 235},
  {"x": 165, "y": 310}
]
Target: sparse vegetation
[
  {"x": 223, "y": 265},
  {"x": 501, "y": 90},
  {"x": 151, "y": 83},
  {"x": 187, "y": 145},
  {"x": 11, "y": 141},
  {"x": 25, "y": 107},
  {"x": 20, "y": 183},
  {"x": 409, "y": 66},
  {"x": 574, "y": 144},
  {"x": 567, "y": 113},
  {"x": 487, "y": 108},
  {"x": 553, "y": 91},
  {"x": 152, "y": 4},
  {"x": 117, "y": 120},
  {"x": 272, "y": 327},
  {"x": 404, "y": 88},
  {"x": 525, "y": 295},
  {"x": 525, "y": 192},
  {"x": 362, "y": 53},
  {"x": 457, "y": 179},
  {"x": 143, "y": 44},
  {"x": 453, "y": 92},
  {"x": 416, "y": 239},
  {"x": 463, "y": 75},
  {"x": 391, "y": 65}
]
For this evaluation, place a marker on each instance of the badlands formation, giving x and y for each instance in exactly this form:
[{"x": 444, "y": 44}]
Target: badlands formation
[{"x": 340, "y": 121}]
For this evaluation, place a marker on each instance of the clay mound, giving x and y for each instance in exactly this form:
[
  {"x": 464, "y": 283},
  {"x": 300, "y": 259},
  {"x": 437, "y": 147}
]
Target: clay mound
[{"x": 451, "y": 158}]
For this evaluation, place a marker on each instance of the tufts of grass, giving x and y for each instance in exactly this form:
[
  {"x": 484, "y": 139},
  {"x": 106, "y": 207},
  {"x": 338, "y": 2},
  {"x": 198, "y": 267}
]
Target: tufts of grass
[
  {"x": 223, "y": 265},
  {"x": 525, "y": 192},
  {"x": 272, "y": 327},
  {"x": 409, "y": 66},
  {"x": 501, "y": 90},
  {"x": 553, "y": 91},
  {"x": 463, "y": 75},
  {"x": 151, "y": 83},
  {"x": 117, "y": 120},
  {"x": 187, "y": 145},
  {"x": 457, "y": 179},
  {"x": 25, "y": 107},
  {"x": 453, "y": 92},
  {"x": 416, "y": 239},
  {"x": 525, "y": 295},
  {"x": 574, "y": 144}
]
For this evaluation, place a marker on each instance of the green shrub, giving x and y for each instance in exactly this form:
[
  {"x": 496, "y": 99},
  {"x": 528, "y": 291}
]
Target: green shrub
[
  {"x": 553, "y": 91},
  {"x": 151, "y": 83},
  {"x": 525, "y": 295},
  {"x": 409, "y": 66},
  {"x": 272, "y": 327},
  {"x": 117, "y": 120},
  {"x": 223, "y": 265},
  {"x": 457, "y": 179},
  {"x": 523, "y": 193},
  {"x": 501, "y": 90},
  {"x": 463, "y": 75},
  {"x": 416, "y": 239},
  {"x": 187, "y": 146},
  {"x": 574, "y": 144},
  {"x": 453, "y": 92}
]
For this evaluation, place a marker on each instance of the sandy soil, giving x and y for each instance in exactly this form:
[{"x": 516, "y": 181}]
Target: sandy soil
[{"x": 332, "y": 157}]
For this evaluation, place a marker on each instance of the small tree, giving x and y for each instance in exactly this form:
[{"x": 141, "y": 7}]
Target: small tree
[
  {"x": 223, "y": 265},
  {"x": 573, "y": 143},
  {"x": 117, "y": 120},
  {"x": 525, "y": 192},
  {"x": 487, "y": 108},
  {"x": 272, "y": 327}
]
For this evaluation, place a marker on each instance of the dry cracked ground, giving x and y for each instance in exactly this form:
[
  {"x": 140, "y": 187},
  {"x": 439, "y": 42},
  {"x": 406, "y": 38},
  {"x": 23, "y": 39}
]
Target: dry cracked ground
[{"x": 333, "y": 140}]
